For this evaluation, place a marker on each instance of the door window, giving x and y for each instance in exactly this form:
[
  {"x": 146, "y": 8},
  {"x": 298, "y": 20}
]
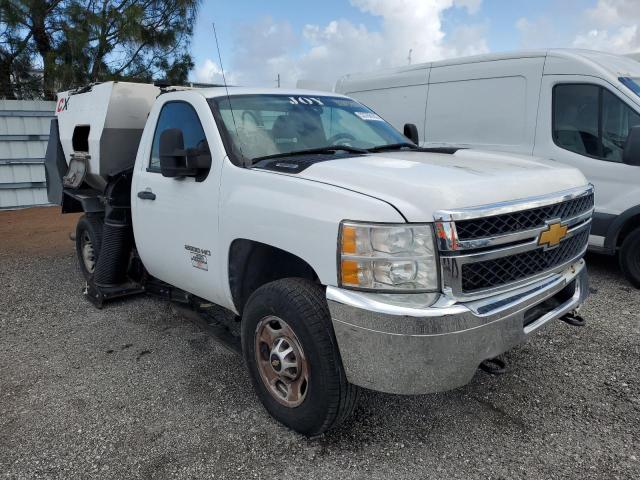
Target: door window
[
  {"x": 178, "y": 115},
  {"x": 590, "y": 120},
  {"x": 617, "y": 120}
]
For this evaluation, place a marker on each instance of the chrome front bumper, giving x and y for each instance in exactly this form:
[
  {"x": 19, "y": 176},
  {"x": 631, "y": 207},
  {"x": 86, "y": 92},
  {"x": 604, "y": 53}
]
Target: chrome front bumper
[{"x": 416, "y": 344}]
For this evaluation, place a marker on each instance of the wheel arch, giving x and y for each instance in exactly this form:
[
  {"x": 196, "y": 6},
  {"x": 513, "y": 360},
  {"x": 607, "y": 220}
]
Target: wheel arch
[
  {"x": 252, "y": 264},
  {"x": 624, "y": 224}
]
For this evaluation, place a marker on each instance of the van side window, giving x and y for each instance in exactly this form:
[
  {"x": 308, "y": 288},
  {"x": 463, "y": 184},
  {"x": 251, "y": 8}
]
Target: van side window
[
  {"x": 576, "y": 118},
  {"x": 590, "y": 120},
  {"x": 177, "y": 115},
  {"x": 617, "y": 120}
]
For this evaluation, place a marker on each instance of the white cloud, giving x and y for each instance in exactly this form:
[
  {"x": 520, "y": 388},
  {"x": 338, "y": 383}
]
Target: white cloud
[
  {"x": 612, "y": 25},
  {"x": 208, "y": 72},
  {"x": 613, "y": 13},
  {"x": 323, "y": 53},
  {"x": 622, "y": 40}
]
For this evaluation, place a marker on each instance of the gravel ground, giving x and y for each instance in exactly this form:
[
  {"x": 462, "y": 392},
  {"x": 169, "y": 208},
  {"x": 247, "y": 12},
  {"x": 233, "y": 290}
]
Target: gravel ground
[{"x": 135, "y": 391}]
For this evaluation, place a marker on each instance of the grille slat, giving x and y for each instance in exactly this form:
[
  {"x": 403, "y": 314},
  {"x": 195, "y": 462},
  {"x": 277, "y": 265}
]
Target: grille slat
[
  {"x": 522, "y": 220},
  {"x": 504, "y": 270}
]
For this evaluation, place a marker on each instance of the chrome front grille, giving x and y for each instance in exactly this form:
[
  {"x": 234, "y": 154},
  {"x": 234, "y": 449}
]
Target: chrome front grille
[
  {"x": 500, "y": 271},
  {"x": 492, "y": 248}
]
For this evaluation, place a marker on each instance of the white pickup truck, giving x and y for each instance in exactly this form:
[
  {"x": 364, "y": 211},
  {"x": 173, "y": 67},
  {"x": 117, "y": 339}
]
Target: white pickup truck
[{"x": 350, "y": 257}]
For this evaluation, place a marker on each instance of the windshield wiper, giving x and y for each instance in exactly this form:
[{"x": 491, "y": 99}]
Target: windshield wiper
[
  {"x": 311, "y": 151},
  {"x": 393, "y": 146}
]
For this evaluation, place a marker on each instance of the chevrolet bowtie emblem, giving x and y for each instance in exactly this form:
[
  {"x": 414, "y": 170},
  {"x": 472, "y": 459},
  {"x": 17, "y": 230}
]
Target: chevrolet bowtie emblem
[{"x": 553, "y": 235}]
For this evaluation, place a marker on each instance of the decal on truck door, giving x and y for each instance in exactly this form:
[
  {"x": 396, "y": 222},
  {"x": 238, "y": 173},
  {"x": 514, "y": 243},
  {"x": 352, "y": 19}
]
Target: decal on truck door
[{"x": 198, "y": 257}]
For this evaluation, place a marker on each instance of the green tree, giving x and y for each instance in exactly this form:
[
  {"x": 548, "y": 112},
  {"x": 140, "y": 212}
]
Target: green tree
[
  {"x": 83, "y": 41},
  {"x": 14, "y": 49},
  {"x": 36, "y": 21}
]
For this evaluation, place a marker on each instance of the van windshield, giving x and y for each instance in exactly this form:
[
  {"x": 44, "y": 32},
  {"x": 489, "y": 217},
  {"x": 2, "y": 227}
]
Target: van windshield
[
  {"x": 265, "y": 125},
  {"x": 632, "y": 83}
]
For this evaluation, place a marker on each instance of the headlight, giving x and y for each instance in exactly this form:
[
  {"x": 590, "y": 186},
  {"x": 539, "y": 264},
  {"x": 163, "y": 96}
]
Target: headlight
[{"x": 391, "y": 258}]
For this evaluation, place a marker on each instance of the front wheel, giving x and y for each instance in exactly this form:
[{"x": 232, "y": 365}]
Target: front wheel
[
  {"x": 291, "y": 352},
  {"x": 629, "y": 257}
]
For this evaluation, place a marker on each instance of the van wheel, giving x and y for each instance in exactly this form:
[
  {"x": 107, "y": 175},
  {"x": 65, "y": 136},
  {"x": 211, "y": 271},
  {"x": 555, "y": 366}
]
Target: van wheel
[
  {"x": 291, "y": 352},
  {"x": 629, "y": 257},
  {"x": 88, "y": 243}
]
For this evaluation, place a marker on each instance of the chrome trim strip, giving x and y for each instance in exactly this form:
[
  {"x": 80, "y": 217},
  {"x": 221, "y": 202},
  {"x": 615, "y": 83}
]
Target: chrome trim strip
[
  {"x": 451, "y": 268},
  {"x": 440, "y": 307},
  {"x": 461, "y": 245},
  {"x": 461, "y": 296},
  {"x": 466, "y": 257},
  {"x": 511, "y": 206}
]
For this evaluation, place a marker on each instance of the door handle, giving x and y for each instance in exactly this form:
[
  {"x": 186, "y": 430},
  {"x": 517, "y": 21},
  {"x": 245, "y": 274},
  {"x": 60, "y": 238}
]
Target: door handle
[{"x": 147, "y": 195}]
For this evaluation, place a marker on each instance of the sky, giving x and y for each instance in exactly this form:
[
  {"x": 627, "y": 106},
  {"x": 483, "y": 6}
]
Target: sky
[{"x": 321, "y": 41}]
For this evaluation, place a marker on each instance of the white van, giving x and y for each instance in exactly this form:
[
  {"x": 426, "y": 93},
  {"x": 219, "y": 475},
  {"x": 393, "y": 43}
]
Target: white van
[{"x": 578, "y": 107}]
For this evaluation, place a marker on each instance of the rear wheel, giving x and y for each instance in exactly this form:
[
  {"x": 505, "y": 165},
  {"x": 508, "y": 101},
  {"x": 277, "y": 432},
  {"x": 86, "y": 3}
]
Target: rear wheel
[
  {"x": 629, "y": 257},
  {"x": 88, "y": 243},
  {"x": 291, "y": 352}
]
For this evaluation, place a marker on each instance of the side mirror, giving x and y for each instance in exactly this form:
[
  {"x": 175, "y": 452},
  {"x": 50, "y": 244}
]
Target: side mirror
[
  {"x": 631, "y": 153},
  {"x": 411, "y": 132},
  {"x": 176, "y": 161}
]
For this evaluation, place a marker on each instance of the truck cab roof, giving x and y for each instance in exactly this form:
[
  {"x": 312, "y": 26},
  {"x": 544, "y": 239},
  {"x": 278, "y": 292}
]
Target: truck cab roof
[{"x": 215, "y": 92}]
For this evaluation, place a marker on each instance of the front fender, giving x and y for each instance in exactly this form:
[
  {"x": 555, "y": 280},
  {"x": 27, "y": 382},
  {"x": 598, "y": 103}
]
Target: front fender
[{"x": 298, "y": 216}]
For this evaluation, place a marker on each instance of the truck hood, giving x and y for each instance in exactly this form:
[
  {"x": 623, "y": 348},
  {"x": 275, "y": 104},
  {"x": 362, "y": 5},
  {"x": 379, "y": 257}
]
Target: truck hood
[{"x": 419, "y": 183}]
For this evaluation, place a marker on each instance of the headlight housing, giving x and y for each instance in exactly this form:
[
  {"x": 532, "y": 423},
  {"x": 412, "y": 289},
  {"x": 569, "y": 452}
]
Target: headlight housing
[{"x": 387, "y": 257}]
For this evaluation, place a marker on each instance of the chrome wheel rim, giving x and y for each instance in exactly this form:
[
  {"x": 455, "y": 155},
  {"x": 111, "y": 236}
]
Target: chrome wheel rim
[
  {"x": 88, "y": 253},
  {"x": 283, "y": 367}
]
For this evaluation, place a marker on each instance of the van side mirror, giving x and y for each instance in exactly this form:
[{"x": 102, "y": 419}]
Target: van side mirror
[
  {"x": 411, "y": 132},
  {"x": 631, "y": 153},
  {"x": 176, "y": 161}
]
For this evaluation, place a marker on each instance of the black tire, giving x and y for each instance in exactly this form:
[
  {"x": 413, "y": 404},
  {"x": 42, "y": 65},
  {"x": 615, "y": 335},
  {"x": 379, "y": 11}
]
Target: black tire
[
  {"x": 629, "y": 257},
  {"x": 88, "y": 230},
  {"x": 329, "y": 399}
]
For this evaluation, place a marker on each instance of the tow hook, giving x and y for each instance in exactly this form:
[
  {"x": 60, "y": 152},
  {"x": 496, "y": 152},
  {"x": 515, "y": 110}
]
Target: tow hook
[
  {"x": 574, "y": 318},
  {"x": 494, "y": 366}
]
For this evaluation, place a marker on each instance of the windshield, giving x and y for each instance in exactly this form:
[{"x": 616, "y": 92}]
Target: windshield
[
  {"x": 632, "y": 83},
  {"x": 265, "y": 125}
]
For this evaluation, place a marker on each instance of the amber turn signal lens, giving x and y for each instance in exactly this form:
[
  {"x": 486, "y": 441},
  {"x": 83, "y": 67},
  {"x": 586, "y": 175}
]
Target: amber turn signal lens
[
  {"x": 349, "y": 239},
  {"x": 350, "y": 272}
]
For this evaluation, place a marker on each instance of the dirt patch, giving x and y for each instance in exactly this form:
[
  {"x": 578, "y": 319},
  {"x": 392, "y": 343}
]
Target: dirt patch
[{"x": 39, "y": 231}]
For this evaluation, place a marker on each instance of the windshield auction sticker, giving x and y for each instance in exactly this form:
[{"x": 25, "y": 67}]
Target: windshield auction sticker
[{"x": 369, "y": 116}]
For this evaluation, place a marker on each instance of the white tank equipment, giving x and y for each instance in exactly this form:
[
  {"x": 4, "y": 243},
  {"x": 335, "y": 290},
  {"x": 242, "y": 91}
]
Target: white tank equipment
[{"x": 101, "y": 125}]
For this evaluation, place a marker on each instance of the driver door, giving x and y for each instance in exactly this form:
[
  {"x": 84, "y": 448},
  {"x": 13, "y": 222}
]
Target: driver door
[{"x": 176, "y": 219}]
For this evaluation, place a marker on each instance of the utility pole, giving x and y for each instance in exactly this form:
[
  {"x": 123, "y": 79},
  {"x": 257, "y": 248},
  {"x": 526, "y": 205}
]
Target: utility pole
[
  {"x": 409, "y": 57},
  {"x": 278, "y": 80}
]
